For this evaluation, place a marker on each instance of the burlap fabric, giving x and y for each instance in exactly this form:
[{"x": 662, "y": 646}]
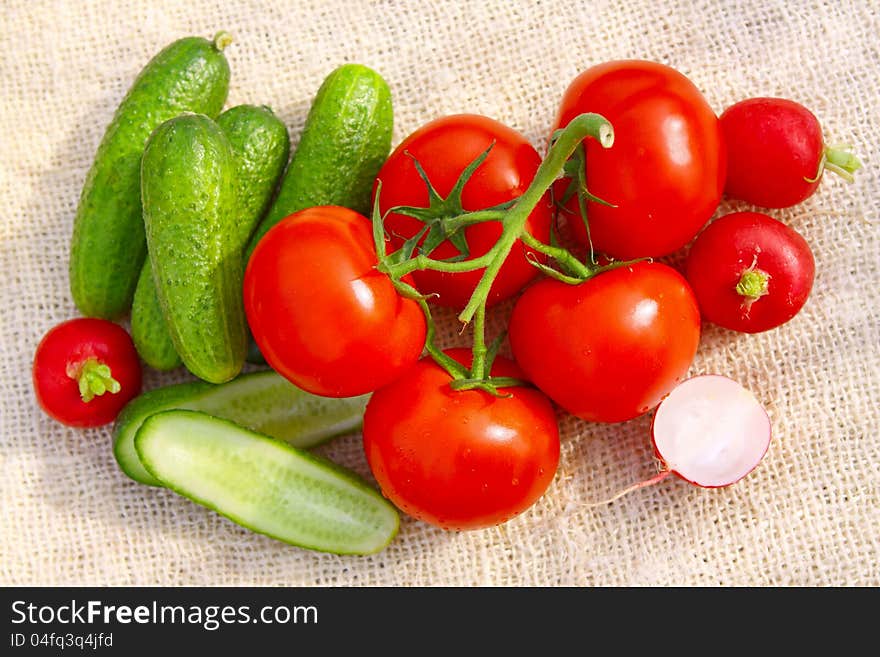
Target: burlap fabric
[{"x": 809, "y": 515}]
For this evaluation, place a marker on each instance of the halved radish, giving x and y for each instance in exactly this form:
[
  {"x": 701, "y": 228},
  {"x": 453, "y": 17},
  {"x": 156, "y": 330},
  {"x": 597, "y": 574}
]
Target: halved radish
[{"x": 710, "y": 431}]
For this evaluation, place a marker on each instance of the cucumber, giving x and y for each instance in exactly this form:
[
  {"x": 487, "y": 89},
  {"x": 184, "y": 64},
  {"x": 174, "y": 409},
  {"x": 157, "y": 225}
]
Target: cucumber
[
  {"x": 261, "y": 147},
  {"x": 107, "y": 249},
  {"x": 345, "y": 141},
  {"x": 148, "y": 329},
  {"x": 265, "y": 485},
  {"x": 263, "y": 401},
  {"x": 188, "y": 192}
]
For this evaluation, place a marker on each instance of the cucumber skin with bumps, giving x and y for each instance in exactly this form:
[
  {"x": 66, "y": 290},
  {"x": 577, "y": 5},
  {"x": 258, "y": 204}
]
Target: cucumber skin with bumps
[
  {"x": 149, "y": 331},
  {"x": 263, "y": 401},
  {"x": 345, "y": 141},
  {"x": 108, "y": 247},
  {"x": 189, "y": 201},
  {"x": 265, "y": 485},
  {"x": 261, "y": 147}
]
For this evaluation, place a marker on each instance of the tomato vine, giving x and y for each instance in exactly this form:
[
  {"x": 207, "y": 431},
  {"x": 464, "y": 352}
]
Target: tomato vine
[{"x": 513, "y": 217}]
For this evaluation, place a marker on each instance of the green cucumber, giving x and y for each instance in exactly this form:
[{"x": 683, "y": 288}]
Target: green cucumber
[
  {"x": 261, "y": 147},
  {"x": 107, "y": 248},
  {"x": 190, "y": 206},
  {"x": 345, "y": 141},
  {"x": 148, "y": 329},
  {"x": 265, "y": 485},
  {"x": 263, "y": 401}
]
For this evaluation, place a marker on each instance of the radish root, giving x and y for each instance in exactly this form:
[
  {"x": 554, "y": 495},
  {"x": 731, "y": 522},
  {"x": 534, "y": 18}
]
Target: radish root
[{"x": 656, "y": 479}]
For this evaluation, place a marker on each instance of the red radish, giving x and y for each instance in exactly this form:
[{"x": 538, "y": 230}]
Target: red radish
[
  {"x": 750, "y": 272},
  {"x": 776, "y": 153},
  {"x": 85, "y": 371},
  {"x": 710, "y": 431}
]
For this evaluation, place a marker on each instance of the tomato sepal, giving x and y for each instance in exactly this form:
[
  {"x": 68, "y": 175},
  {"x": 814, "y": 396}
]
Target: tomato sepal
[{"x": 444, "y": 218}]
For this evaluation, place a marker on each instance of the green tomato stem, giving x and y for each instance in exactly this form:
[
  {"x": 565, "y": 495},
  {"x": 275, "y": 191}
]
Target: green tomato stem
[
  {"x": 478, "y": 363},
  {"x": 420, "y": 262},
  {"x": 581, "y": 127},
  {"x": 455, "y": 369},
  {"x": 562, "y": 256},
  {"x": 513, "y": 221},
  {"x": 489, "y": 384},
  {"x": 470, "y": 218}
]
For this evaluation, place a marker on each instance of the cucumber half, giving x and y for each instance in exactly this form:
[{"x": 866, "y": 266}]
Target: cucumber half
[
  {"x": 264, "y": 484},
  {"x": 263, "y": 401}
]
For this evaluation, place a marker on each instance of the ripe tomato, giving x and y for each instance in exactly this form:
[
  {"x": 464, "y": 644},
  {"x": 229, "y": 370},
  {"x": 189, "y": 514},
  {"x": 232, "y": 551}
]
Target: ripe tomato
[
  {"x": 750, "y": 272},
  {"x": 610, "y": 348},
  {"x": 665, "y": 171},
  {"x": 776, "y": 154},
  {"x": 85, "y": 370},
  {"x": 444, "y": 148},
  {"x": 460, "y": 459},
  {"x": 321, "y": 314}
]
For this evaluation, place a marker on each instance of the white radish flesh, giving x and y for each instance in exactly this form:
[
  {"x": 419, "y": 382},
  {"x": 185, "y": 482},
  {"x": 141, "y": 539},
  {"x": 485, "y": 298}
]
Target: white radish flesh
[{"x": 711, "y": 431}]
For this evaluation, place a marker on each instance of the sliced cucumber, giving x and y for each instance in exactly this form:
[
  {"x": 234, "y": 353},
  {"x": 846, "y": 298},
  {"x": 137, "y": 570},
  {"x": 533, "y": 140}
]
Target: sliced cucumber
[
  {"x": 262, "y": 401},
  {"x": 264, "y": 484}
]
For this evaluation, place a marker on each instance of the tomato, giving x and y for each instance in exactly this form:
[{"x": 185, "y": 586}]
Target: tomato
[
  {"x": 321, "y": 314},
  {"x": 85, "y": 370},
  {"x": 444, "y": 148},
  {"x": 664, "y": 173},
  {"x": 460, "y": 459},
  {"x": 776, "y": 154},
  {"x": 750, "y": 272},
  {"x": 610, "y": 348}
]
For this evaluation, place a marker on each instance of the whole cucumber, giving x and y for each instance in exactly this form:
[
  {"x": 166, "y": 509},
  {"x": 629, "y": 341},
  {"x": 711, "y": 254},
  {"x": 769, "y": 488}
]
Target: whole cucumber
[
  {"x": 190, "y": 208},
  {"x": 346, "y": 139},
  {"x": 108, "y": 248},
  {"x": 261, "y": 147}
]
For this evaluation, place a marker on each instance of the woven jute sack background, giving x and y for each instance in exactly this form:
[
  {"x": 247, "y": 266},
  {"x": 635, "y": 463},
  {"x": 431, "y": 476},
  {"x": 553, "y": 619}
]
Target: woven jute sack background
[{"x": 809, "y": 515}]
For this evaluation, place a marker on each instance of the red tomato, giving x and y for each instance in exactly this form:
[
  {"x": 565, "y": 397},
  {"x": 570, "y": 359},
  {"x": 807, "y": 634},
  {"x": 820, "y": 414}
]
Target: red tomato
[
  {"x": 750, "y": 272},
  {"x": 321, "y": 314},
  {"x": 444, "y": 148},
  {"x": 85, "y": 370},
  {"x": 610, "y": 348},
  {"x": 665, "y": 171},
  {"x": 460, "y": 459},
  {"x": 774, "y": 150}
]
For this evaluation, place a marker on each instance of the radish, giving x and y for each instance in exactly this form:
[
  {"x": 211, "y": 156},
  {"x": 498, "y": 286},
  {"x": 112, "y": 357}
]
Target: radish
[{"x": 710, "y": 431}]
